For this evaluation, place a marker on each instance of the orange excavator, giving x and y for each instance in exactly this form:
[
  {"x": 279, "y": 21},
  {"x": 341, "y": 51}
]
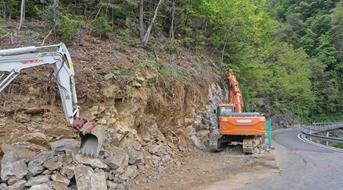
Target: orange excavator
[{"x": 236, "y": 126}]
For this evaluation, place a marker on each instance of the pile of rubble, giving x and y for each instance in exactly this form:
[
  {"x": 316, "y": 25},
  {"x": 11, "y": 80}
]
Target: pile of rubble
[{"x": 30, "y": 166}]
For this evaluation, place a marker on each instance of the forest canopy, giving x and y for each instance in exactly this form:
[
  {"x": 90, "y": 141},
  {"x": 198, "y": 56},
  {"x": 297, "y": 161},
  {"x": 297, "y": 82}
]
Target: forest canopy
[{"x": 288, "y": 54}]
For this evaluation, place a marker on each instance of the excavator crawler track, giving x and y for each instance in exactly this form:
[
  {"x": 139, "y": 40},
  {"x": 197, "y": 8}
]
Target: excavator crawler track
[{"x": 250, "y": 145}]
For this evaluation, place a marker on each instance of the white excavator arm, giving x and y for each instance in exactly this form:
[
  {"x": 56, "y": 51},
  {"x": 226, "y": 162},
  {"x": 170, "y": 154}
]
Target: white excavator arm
[{"x": 13, "y": 61}]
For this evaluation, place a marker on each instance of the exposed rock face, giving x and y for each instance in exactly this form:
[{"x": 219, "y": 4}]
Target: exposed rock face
[{"x": 206, "y": 122}]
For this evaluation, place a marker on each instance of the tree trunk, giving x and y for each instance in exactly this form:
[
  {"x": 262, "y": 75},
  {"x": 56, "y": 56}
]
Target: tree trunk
[
  {"x": 141, "y": 21},
  {"x": 171, "y": 30},
  {"x": 148, "y": 31},
  {"x": 22, "y": 14}
]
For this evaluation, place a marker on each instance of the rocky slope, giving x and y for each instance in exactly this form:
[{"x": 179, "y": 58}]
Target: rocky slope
[{"x": 149, "y": 100}]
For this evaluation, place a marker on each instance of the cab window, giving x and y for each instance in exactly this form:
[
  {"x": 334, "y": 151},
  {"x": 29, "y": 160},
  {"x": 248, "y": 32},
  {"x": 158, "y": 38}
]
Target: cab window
[{"x": 225, "y": 111}]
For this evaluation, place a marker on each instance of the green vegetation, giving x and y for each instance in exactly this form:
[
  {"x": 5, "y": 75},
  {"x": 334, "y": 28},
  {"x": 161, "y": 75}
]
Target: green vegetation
[{"x": 289, "y": 53}]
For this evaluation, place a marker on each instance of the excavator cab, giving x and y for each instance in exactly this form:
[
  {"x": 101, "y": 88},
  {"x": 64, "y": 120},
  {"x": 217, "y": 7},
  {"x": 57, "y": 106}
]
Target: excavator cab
[{"x": 224, "y": 109}]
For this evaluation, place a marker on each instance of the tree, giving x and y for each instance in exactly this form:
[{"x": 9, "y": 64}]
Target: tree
[
  {"x": 22, "y": 14},
  {"x": 148, "y": 31}
]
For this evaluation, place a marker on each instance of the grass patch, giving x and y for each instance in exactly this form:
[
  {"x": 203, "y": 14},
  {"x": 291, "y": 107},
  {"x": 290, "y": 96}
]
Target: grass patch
[
  {"x": 337, "y": 145},
  {"x": 3, "y": 31},
  {"x": 124, "y": 71},
  {"x": 165, "y": 70}
]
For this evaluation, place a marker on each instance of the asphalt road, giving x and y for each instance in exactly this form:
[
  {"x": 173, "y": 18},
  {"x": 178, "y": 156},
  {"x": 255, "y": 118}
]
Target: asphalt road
[{"x": 302, "y": 166}]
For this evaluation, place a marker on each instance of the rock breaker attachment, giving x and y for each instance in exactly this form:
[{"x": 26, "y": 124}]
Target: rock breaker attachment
[{"x": 92, "y": 137}]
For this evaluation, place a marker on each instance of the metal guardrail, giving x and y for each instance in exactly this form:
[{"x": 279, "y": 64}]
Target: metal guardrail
[{"x": 313, "y": 130}]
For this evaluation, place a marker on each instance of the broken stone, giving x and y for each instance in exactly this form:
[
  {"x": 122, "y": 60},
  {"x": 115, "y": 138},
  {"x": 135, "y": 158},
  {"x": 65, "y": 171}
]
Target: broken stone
[
  {"x": 116, "y": 138},
  {"x": 153, "y": 149},
  {"x": 20, "y": 185},
  {"x": 108, "y": 76},
  {"x": 13, "y": 166},
  {"x": 35, "y": 166},
  {"x": 59, "y": 131},
  {"x": 120, "y": 186},
  {"x": 136, "y": 84},
  {"x": 3, "y": 186},
  {"x": 35, "y": 138},
  {"x": 68, "y": 172},
  {"x": 23, "y": 150},
  {"x": 109, "y": 91},
  {"x": 133, "y": 149},
  {"x": 37, "y": 180},
  {"x": 93, "y": 162},
  {"x": 40, "y": 187},
  {"x": 53, "y": 163},
  {"x": 59, "y": 186},
  {"x": 140, "y": 79},
  {"x": 57, "y": 177},
  {"x": 86, "y": 178},
  {"x": 22, "y": 118},
  {"x": 130, "y": 173},
  {"x": 116, "y": 158},
  {"x": 64, "y": 145},
  {"x": 111, "y": 185}
]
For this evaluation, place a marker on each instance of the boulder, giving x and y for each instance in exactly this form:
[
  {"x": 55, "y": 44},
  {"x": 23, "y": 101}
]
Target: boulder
[
  {"x": 42, "y": 179},
  {"x": 57, "y": 177},
  {"x": 68, "y": 172},
  {"x": 13, "y": 166},
  {"x": 130, "y": 173},
  {"x": 40, "y": 187},
  {"x": 35, "y": 138},
  {"x": 59, "y": 186},
  {"x": 23, "y": 150},
  {"x": 3, "y": 186},
  {"x": 87, "y": 179},
  {"x": 93, "y": 162},
  {"x": 35, "y": 166},
  {"x": 59, "y": 131},
  {"x": 133, "y": 148},
  {"x": 64, "y": 145},
  {"x": 53, "y": 163},
  {"x": 111, "y": 185},
  {"x": 20, "y": 185},
  {"x": 116, "y": 158}
]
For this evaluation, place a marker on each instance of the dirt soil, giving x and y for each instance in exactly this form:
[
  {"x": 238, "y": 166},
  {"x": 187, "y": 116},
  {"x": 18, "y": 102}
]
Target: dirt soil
[{"x": 229, "y": 169}]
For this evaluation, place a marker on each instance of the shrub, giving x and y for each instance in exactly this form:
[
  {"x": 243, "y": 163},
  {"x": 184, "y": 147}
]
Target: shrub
[
  {"x": 68, "y": 28},
  {"x": 102, "y": 26}
]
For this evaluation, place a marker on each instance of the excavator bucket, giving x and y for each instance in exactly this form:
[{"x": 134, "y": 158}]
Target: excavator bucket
[{"x": 91, "y": 141}]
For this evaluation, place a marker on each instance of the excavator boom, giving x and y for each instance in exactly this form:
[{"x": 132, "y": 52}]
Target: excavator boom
[
  {"x": 13, "y": 61},
  {"x": 233, "y": 122}
]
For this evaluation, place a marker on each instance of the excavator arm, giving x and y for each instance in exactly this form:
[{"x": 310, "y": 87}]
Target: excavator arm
[
  {"x": 13, "y": 61},
  {"x": 235, "y": 96}
]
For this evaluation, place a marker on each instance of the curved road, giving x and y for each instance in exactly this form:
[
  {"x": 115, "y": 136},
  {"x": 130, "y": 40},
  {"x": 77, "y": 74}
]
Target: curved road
[{"x": 302, "y": 166}]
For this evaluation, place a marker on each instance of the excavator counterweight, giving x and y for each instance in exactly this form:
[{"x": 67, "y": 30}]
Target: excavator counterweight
[{"x": 13, "y": 61}]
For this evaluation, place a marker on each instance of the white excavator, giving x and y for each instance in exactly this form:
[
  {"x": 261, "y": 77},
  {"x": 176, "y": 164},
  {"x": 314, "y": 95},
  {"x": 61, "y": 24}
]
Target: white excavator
[{"x": 13, "y": 61}]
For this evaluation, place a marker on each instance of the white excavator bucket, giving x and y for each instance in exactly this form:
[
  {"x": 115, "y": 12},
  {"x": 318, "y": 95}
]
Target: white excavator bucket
[{"x": 92, "y": 140}]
